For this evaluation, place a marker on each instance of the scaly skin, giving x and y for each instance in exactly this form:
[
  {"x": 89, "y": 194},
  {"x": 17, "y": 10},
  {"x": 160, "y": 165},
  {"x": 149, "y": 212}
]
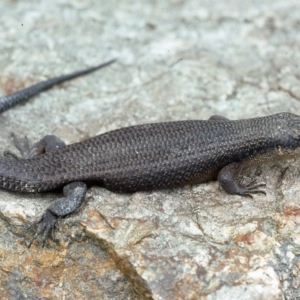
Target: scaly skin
[{"x": 155, "y": 156}]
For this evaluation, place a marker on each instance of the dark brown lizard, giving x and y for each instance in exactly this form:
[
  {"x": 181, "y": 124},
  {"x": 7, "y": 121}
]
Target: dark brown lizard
[{"x": 151, "y": 156}]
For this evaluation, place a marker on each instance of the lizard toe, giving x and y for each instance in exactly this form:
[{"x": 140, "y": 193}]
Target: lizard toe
[
  {"x": 251, "y": 188},
  {"x": 47, "y": 225},
  {"x": 253, "y": 185},
  {"x": 10, "y": 154},
  {"x": 248, "y": 192}
]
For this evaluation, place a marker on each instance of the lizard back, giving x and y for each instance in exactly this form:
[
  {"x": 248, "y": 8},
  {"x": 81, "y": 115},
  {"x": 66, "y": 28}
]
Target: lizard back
[{"x": 150, "y": 156}]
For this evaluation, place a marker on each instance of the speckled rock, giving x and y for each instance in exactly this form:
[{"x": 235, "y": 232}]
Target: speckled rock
[{"x": 177, "y": 60}]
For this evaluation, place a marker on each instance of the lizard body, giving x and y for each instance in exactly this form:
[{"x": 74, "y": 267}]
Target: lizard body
[
  {"x": 144, "y": 157},
  {"x": 155, "y": 156}
]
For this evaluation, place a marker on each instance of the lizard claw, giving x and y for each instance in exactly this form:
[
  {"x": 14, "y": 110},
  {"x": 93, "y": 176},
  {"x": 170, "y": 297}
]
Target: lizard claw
[
  {"x": 230, "y": 181},
  {"x": 47, "y": 226},
  {"x": 252, "y": 188}
]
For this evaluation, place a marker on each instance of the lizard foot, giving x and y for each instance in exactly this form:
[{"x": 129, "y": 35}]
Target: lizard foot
[
  {"x": 22, "y": 146},
  {"x": 47, "y": 227},
  {"x": 74, "y": 194},
  {"x": 251, "y": 188},
  {"x": 228, "y": 178}
]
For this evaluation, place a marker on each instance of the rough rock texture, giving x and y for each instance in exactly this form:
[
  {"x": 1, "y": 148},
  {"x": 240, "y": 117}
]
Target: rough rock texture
[{"x": 177, "y": 60}]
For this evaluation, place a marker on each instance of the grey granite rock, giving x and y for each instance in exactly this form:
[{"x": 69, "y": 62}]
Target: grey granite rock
[{"x": 177, "y": 60}]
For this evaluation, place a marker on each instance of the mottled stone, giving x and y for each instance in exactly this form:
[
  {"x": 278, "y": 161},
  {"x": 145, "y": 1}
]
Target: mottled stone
[{"x": 177, "y": 60}]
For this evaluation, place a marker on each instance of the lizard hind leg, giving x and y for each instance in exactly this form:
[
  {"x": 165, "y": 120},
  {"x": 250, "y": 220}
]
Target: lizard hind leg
[
  {"x": 47, "y": 143},
  {"x": 74, "y": 194}
]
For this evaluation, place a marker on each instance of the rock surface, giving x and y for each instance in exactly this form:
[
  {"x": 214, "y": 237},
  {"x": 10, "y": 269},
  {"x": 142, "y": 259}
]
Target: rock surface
[{"x": 177, "y": 60}]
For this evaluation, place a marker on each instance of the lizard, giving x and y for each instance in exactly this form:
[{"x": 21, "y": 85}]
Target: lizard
[{"x": 149, "y": 156}]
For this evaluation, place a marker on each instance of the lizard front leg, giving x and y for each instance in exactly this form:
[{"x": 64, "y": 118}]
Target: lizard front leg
[{"x": 229, "y": 181}]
